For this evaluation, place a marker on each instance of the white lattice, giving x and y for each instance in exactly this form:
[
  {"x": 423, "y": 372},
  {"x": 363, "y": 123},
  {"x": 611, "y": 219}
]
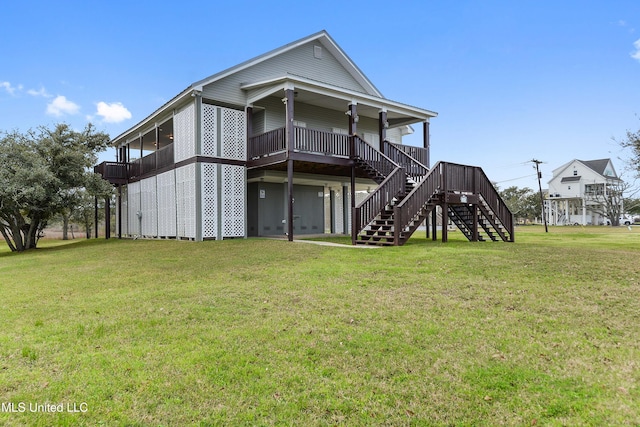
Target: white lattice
[
  {"x": 209, "y": 130},
  {"x": 233, "y": 201},
  {"x": 209, "y": 200},
  {"x": 167, "y": 204},
  {"x": 149, "y": 207},
  {"x": 234, "y": 134},
  {"x": 124, "y": 218},
  {"x": 184, "y": 137},
  {"x": 186, "y": 201},
  {"x": 133, "y": 202}
]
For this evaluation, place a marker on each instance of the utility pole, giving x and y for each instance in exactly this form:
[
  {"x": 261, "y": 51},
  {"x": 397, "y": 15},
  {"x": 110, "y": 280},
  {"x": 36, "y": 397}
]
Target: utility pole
[{"x": 544, "y": 218}]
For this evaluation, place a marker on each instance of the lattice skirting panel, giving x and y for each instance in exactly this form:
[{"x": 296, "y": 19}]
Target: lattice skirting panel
[
  {"x": 209, "y": 200},
  {"x": 186, "y": 201},
  {"x": 167, "y": 204},
  {"x": 233, "y": 200},
  {"x": 149, "y": 207},
  {"x": 122, "y": 221},
  {"x": 184, "y": 141},
  {"x": 209, "y": 130},
  {"x": 133, "y": 208}
]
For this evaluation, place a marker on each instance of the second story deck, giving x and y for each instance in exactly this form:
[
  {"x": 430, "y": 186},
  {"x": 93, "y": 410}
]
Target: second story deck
[{"x": 268, "y": 149}]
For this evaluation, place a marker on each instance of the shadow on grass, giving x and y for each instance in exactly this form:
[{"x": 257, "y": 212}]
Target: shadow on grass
[{"x": 47, "y": 245}]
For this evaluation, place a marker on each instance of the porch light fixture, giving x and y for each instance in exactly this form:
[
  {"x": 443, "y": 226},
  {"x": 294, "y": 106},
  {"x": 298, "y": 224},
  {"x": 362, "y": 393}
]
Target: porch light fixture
[{"x": 355, "y": 119}]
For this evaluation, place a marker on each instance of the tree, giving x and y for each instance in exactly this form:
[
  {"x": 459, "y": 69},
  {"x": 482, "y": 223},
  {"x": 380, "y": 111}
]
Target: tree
[
  {"x": 632, "y": 143},
  {"x": 607, "y": 199},
  {"x": 524, "y": 203},
  {"x": 39, "y": 170}
]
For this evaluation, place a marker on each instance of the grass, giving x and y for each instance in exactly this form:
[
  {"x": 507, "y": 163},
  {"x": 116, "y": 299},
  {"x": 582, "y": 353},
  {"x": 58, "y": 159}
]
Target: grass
[{"x": 543, "y": 331}]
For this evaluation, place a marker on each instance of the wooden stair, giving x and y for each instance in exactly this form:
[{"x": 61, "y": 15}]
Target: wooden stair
[{"x": 403, "y": 200}]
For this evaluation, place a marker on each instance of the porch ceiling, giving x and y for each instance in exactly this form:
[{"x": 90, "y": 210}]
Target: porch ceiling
[
  {"x": 302, "y": 178},
  {"x": 335, "y": 98}
]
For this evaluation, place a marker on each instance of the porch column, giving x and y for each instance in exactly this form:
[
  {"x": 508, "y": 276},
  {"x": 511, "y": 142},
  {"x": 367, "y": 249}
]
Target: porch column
[
  {"x": 249, "y": 114},
  {"x": 426, "y": 142},
  {"x": 290, "y": 143},
  {"x": 95, "y": 215},
  {"x": 584, "y": 212},
  {"x": 382, "y": 128},
  {"x": 119, "y": 211},
  {"x": 332, "y": 209},
  {"x": 345, "y": 209},
  {"x": 434, "y": 223},
  {"x": 353, "y": 120},
  {"x": 141, "y": 151},
  {"x": 157, "y": 144},
  {"x": 445, "y": 208},
  {"x": 107, "y": 217}
]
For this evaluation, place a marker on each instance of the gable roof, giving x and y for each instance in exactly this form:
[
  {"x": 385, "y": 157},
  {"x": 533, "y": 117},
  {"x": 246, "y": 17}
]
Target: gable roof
[
  {"x": 321, "y": 37},
  {"x": 598, "y": 166}
]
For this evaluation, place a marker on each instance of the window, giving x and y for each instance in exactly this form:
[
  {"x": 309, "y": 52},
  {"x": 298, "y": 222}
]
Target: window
[
  {"x": 594, "y": 189},
  {"x": 575, "y": 173}
]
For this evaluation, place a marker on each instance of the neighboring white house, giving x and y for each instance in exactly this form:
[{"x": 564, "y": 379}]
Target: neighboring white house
[{"x": 574, "y": 191}]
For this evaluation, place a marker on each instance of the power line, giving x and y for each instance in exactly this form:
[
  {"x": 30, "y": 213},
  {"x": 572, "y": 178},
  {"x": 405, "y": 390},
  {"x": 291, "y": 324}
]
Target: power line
[
  {"x": 515, "y": 179},
  {"x": 544, "y": 217}
]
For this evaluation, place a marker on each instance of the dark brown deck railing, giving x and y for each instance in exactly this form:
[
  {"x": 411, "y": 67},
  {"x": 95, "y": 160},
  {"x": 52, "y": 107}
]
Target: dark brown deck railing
[
  {"x": 450, "y": 177},
  {"x": 413, "y": 168},
  {"x": 114, "y": 172},
  {"x": 317, "y": 141},
  {"x": 412, "y": 205},
  {"x": 305, "y": 141},
  {"x": 164, "y": 157},
  {"x": 392, "y": 186},
  {"x": 372, "y": 157},
  {"x": 122, "y": 172},
  {"x": 375, "y": 203},
  {"x": 418, "y": 153},
  {"x": 490, "y": 195},
  {"x": 266, "y": 143}
]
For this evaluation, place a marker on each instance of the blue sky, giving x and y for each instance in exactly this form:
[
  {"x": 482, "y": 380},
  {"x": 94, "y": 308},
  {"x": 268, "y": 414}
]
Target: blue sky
[{"x": 510, "y": 80}]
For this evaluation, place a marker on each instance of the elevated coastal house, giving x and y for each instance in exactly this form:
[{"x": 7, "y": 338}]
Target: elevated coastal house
[
  {"x": 296, "y": 141},
  {"x": 577, "y": 189}
]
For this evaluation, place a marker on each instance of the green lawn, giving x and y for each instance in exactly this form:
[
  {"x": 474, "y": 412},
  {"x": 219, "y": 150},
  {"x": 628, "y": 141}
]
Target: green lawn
[{"x": 543, "y": 331}]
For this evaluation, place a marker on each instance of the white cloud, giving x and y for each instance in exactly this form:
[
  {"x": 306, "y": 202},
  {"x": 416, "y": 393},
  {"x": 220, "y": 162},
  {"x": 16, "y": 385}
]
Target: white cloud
[
  {"x": 11, "y": 90},
  {"x": 636, "y": 54},
  {"x": 113, "y": 113},
  {"x": 61, "y": 105},
  {"x": 41, "y": 92}
]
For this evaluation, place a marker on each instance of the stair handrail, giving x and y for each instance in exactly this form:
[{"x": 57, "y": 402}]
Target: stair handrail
[
  {"x": 405, "y": 211},
  {"x": 489, "y": 193},
  {"x": 392, "y": 187},
  {"x": 373, "y": 157},
  {"x": 414, "y": 169}
]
